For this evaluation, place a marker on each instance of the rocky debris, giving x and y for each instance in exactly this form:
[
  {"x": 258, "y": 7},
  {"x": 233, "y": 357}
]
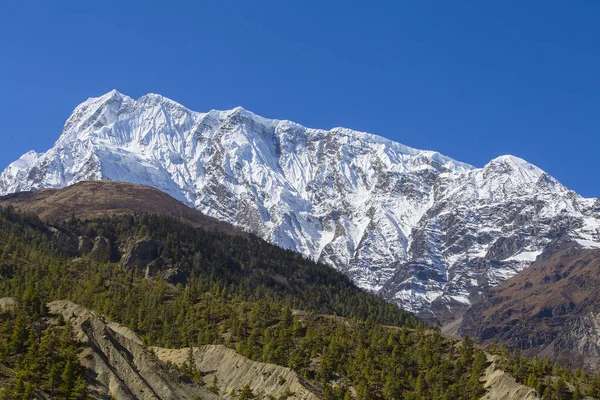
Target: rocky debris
[
  {"x": 102, "y": 250},
  {"x": 85, "y": 245},
  {"x": 141, "y": 253},
  {"x": 176, "y": 276},
  {"x": 500, "y": 385},
  {"x": 7, "y": 303},
  {"x": 452, "y": 328},
  {"x": 233, "y": 371},
  {"x": 120, "y": 365}
]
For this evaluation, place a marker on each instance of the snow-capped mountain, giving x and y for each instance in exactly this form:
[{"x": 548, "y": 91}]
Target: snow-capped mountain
[{"x": 422, "y": 229}]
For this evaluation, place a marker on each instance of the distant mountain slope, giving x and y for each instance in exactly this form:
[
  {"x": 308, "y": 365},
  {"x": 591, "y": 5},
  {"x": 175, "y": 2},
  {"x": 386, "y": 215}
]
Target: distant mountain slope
[
  {"x": 551, "y": 308},
  {"x": 420, "y": 228},
  {"x": 95, "y": 199}
]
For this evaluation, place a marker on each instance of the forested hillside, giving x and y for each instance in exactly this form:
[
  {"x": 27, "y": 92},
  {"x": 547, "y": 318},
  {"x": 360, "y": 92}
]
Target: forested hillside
[
  {"x": 180, "y": 286},
  {"x": 36, "y": 356}
]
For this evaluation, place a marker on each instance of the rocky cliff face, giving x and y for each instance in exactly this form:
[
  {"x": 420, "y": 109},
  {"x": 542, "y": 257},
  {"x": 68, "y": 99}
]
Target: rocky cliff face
[{"x": 425, "y": 231}]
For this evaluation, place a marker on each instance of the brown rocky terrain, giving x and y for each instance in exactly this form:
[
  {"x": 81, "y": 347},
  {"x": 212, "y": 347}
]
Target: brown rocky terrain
[
  {"x": 94, "y": 199},
  {"x": 551, "y": 308}
]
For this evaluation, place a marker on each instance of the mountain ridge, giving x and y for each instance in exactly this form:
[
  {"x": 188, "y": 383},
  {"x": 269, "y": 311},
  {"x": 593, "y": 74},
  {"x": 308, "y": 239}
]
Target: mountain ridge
[
  {"x": 96, "y": 199},
  {"x": 425, "y": 231}
]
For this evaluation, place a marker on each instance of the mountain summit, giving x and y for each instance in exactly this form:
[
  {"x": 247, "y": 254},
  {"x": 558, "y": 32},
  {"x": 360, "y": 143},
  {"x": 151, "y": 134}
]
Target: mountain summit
[{"x": 423, "y": 230}]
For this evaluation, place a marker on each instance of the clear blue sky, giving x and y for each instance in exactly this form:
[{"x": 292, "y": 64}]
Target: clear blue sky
[{"x": 471, "y": 79}]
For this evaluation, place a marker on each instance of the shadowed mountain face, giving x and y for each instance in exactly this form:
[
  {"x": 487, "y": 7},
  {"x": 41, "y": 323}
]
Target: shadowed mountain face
[
  {"x": 551, "y": 308},
  {"x": 96, "y": 199},
  {"x": 421, "y": 229}
]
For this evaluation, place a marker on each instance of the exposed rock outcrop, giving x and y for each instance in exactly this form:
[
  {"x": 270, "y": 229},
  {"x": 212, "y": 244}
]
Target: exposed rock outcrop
[
  {"x": 102, "y": 249},
  {"x": 176, "y": 276},
  {"x": 85, "y": 245},
  {"x": 7, "y": 303},
  {"x": 141, "y": 253},
  {"x": 120, "y": 365},
  {"x": 502, "y": 386},
  {"x": 233, "y": 371}
]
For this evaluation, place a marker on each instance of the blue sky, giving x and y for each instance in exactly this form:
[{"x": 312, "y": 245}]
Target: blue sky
[{"x": 471, "y": 79}]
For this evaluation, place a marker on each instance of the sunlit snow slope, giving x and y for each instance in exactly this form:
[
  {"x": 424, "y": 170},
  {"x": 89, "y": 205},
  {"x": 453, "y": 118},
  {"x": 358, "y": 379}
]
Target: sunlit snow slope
[{"x": 422, "y": 229}]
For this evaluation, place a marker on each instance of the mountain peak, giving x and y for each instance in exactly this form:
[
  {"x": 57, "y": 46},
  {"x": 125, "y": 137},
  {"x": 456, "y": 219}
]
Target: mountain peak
[
  {"x": 239, "y": 109},
  {"x": 113, "y": 95},
  {"x": 385, "y": 214},
  {"x": 515, "y": 167},
  {"x": 515, "y": 162}
]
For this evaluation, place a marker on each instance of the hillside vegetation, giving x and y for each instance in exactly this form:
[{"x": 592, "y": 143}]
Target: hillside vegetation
[{"x": 235, "y": 291}]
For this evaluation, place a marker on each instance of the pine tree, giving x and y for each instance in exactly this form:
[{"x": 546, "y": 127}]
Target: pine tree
[
  {"x": 19, "y": 335},
  {"x": 246, "y": 393},
  {"x": 594, "y": 388},
  {"x": 80, "y": 389},
  {"x": 479, "y": 363},
  {"x": 67, "y": 378},
  {"x": 215, "y": 385},
  {"x": 560, "y": 389},
  {"x": 28, "y": 392},
  {"x": 577, "y": 393},
  {"x": 420, "y": 386}
]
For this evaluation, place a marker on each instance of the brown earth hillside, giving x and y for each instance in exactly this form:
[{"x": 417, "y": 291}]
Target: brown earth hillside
[
  {"x": 551, "y": 308},
  {"x": 87, "y": 200}
]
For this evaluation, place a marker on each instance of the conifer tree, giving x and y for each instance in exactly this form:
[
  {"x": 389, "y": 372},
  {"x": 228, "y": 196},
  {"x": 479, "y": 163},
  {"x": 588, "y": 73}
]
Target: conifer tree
[{"x": 246, "y": 393}]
